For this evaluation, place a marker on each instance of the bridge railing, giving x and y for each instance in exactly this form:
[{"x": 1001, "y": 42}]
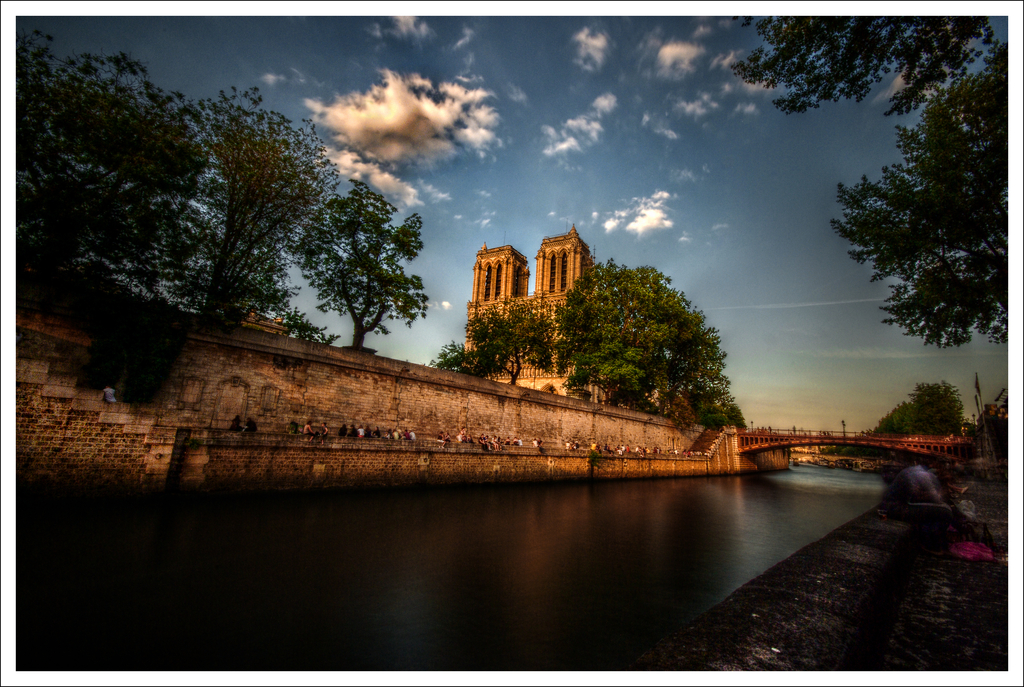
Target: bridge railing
[{"x": 917, "y": 438}]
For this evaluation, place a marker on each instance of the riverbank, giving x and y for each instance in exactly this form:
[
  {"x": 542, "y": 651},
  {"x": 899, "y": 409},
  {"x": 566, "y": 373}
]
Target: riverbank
[{"x": 861, "y": 598}]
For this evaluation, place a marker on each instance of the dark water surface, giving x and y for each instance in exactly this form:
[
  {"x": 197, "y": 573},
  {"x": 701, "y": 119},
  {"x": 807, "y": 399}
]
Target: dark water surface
[{"x": 532, "y": 577}]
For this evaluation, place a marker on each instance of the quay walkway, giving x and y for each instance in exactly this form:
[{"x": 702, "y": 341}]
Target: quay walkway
[{"x": 864, "y": 597}]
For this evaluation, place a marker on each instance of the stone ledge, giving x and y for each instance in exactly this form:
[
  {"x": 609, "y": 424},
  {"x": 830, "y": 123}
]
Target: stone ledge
[
  {"x": 829, "y": 606},
  {"x": 57, "y": 391}
]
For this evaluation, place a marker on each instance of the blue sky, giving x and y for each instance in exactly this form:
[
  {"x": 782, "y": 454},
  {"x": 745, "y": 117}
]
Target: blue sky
[{"x": 508, "y": 129}]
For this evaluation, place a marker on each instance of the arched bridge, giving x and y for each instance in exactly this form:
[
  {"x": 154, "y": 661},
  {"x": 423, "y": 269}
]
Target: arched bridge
[{"x": 948, "y": 447}]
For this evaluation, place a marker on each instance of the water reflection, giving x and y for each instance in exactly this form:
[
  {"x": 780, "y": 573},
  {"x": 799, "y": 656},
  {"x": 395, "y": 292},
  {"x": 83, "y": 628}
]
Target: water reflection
[{"x": 568, "y": 576}]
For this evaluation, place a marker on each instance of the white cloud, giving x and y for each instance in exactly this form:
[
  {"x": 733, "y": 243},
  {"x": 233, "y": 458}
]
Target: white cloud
[
  {"x": 436, "y": 196},
  {"x": 410, "y": 27},
  {"x": 720, "y": 225},
  {"x": 591, "y": 49},
  {"x": 697, "y": 108},
  {"x": 443, "y": 305},
  {"x": 684, "y": 175},
  {"x": 896, "y": 85},
  {"x": 467, "y": 36},
  {"x": 551, "y": 214},
  {"x": 676, "y": 59},
  {"x": 593, "y": 216},
  {"x": 458, "y": 216},
  {"x": 658, "y": 126},
  {"x": 351, "y": 166},
  {"x": 644, "y": 214},
  {"x": 746, "y": 108},
  {"x": 726, "y": 60},
  {"x": 407, "y": 119},
  {"x": 701, "y": 30},
  {"x": 516, "y": 94},
  {"x": 273, "y": 79},
  {"x": 484, "y": 194},
  {"x": 579, "y": 132},
  {"x": 605, "y": 103},
  {"x": 685, "y": 238}
]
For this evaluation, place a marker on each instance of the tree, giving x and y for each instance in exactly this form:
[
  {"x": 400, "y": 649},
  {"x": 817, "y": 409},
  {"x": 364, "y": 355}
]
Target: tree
[
  {"x": 452, "y": 358},
  {"x": 828, "y": 58},
  {"x": 300, "y": 327},
  {"x": 939, "y": 222},
  {"x": 507, "y": 338},
  {"x": 107, "y": 168},
  {"x": 627, "y": 332},
  {"x": 933, "y": 409},
  {"x": 264, "y": 186},
  {"x": 354, "y": 257}
]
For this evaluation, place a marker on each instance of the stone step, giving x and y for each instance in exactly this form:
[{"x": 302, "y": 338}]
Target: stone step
[{"x": 32, "y": 371}]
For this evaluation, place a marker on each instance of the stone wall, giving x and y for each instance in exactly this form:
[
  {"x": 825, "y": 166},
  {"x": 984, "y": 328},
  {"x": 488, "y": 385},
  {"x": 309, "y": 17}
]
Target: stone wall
[{"x": 70, "y": 441}]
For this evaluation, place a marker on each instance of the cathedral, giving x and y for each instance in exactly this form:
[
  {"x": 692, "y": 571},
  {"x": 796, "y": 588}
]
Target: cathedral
[{"x": 502, "y": 274}]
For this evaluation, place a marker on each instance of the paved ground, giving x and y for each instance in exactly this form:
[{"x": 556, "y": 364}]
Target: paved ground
[{"x": 954, "y": 615}]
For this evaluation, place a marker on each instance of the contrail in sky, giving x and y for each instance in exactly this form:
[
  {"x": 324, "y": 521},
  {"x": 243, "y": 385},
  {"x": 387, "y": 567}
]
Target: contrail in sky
[{"x": 794, "y": 305}]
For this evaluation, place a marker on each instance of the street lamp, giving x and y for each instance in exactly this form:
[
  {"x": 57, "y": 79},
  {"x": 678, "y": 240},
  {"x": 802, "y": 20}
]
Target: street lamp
[{"x": 844, "y": 427}]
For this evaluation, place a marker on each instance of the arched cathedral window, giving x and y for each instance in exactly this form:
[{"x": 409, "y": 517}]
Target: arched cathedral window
[
  {"x": 551, "y": 272},
  {"x": 487, "y": 284},
  {"x": 565, "y": 270},
  {"x": 497, "y": 283}
]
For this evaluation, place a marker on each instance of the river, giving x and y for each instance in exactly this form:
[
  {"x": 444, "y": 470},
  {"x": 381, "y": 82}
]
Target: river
[{"x": 581, "y": 576}]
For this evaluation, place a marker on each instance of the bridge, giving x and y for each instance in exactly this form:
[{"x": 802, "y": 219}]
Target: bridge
[{"x": 955, "y": 448}]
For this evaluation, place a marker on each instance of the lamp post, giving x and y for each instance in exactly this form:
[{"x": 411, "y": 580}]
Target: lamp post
[{"x": 844, "y": 428}]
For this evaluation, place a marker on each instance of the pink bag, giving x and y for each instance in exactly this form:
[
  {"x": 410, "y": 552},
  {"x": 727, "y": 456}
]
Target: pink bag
[{"x": 971, "y": 551}]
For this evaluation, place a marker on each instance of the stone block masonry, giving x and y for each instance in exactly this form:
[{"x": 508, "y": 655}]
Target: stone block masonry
[{"x": 70, "y": 441}]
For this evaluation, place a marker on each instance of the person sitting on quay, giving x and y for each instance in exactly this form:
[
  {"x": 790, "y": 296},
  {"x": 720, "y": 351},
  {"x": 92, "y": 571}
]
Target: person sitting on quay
[
  {"x": 250, "y": 426},
  {"x": 108, "y": 394},
  {"x": 916, "y": 496},
  {"x": 376, "y": 432},
  {"x": 343, "y": 430},
  {"x": 360, "y": 432},
  {"x": 308, "y": 429},
  {"x": 236, "y": 424},
  {"x": 323, "y": 432}
]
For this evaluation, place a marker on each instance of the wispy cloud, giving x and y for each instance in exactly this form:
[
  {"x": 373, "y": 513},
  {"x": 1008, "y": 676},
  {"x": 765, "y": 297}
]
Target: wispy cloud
[
  {"x": 516, "y": 94},
  {"x": 746, "y": 108},
  {"x": 467, "y": 36},
  {"x": 696, "y": 108},
  {"x": 410, "y": 27},
  {"x": 644, "y": 214},
  {"x": 676, "y": 59},
  {"x": 773, "y": 306},
  {"x": 273, "y": 79},
  {"x": 591, "y": 49},
  {"x": 579, "y": 132},
  {"x": 726, "y": 60},
  {"x": 658, "y": 126}
]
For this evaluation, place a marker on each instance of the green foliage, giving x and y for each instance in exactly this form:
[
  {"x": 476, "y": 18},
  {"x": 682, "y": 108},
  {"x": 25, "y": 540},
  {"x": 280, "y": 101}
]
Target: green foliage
[
  {"x": 134, "y": 345},
  {"x": 829, "y": 58},
  {"x": 939, "y": 222},
  {"x": 504, "y": 339},
  {"x": 106, "y": 167},
  {"x": 264, "y": 187},
  {"x": 933, "y": 409},
  {"x": 354, "y": 257},
  {"x": 301, "y": 328},
  {"x": 594, "y": 459},
  {"x": 627, "y": 332},
  {"x": 452, "y": 358}
]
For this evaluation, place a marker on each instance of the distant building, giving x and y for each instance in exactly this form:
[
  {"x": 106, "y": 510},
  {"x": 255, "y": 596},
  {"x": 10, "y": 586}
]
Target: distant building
[{"x": 503, "y": 274}]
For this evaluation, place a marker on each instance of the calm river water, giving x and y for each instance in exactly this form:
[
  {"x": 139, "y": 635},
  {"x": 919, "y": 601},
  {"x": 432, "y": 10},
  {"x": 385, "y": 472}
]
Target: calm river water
[{"x": 532, "y": 577}]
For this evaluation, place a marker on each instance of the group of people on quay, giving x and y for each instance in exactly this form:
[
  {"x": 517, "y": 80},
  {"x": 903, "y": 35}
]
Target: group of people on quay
[
  {"x": 354, "y": 431},
  {"x": 489, "y": 443}
]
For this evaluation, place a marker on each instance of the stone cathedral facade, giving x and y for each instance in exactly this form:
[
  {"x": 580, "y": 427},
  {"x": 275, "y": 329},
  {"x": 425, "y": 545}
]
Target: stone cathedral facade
[{"x": 502, "y": 274}]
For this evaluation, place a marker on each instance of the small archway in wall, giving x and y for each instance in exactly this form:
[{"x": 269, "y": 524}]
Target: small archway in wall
[
  {"x": 549, "y": 389},
  {"x": 232, "y": 400}
]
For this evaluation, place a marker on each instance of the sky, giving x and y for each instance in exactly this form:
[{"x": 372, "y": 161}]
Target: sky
[{"x": 504, "y": 130}]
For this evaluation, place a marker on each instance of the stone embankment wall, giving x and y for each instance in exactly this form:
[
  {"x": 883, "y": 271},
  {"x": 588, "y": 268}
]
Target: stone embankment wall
[
  {"x": 70, "y": 441},
  {"x": 829, "y": 606}
]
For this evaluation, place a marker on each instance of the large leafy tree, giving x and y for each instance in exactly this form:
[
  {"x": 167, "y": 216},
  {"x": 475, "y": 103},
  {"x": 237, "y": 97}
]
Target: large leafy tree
[
  {"x": 939, "y": 221},
  {"x": 932, "y": 409},
  {"x": 630, "y": 334},
  {"x": 107, "y": 168},
  {"x": 354, "y": 259},
  {"x": 830, "y": 58},
  {"x": 264, "y": 187},
  {"x": 505, "y": 339}
]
